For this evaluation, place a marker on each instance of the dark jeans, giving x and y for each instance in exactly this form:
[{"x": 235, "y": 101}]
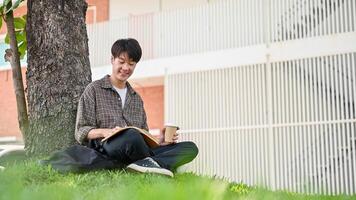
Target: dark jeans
[{"x": 130, "y": 146}]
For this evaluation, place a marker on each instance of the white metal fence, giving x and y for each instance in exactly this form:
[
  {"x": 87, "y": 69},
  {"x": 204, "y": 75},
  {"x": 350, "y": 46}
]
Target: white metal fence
[
  {"x": 223, "y": 24},
  {"x": 286, "y": 124},
  {"x": 290, "y": 125}
]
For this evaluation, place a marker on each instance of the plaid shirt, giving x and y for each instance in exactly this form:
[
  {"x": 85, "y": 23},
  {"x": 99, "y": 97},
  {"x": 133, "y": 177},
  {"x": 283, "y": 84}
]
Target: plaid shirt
[{"x": 100, "y": 107}]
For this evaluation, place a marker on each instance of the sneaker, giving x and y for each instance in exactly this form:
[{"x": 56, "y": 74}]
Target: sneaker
[
  {"x": 2, "y": 168},
  {"x": 148, "y": 165}
]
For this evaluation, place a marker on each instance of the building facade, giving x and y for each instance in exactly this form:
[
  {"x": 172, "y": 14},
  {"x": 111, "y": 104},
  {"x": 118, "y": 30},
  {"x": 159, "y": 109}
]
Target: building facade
[{"x": 266, "y": 88}]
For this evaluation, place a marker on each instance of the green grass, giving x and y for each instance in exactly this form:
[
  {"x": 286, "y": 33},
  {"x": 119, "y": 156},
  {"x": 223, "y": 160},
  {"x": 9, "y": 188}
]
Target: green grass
[{"x": 27, "y": 180}]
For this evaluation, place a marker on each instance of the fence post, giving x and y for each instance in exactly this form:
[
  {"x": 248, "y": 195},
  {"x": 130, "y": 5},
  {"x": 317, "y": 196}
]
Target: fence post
[
  {"x": 165, "y": 96},
  {"x": 271, "y": 155}
]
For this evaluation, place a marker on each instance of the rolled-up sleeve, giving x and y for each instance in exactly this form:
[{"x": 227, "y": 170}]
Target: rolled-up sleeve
[{"x": 86, "y": 120}]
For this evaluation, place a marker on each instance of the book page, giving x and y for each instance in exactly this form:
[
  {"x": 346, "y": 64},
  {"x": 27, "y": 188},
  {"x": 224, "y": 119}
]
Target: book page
[{"x": 149, "y": 139}]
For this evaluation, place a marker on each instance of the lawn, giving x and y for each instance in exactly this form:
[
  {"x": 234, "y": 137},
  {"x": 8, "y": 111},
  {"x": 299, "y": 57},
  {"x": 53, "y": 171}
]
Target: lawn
[{"x": 27, "y": 180}]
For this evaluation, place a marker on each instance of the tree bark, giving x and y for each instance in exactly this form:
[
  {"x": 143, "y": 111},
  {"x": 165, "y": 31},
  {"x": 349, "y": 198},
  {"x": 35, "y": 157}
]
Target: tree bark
[
  {"x": 58, "y": 71},
  {"x": 13, "y": 56}
]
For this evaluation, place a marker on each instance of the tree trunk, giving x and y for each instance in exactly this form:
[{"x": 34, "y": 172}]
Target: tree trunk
[
  {"x": 58, "y": 71},
  {"x": 12, "y": 55}
]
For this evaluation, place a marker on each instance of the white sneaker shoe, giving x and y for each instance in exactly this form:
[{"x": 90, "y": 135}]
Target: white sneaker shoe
[
  {"x": 2, "y": 168},
  {"x": 148, "y": 165}
]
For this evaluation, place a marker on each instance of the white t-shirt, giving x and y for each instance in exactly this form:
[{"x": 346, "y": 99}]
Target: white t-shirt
[{"x": 122, "y": 94}]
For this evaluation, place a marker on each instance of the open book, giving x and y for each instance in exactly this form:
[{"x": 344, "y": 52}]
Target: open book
[{"x": 149, "y": 139}]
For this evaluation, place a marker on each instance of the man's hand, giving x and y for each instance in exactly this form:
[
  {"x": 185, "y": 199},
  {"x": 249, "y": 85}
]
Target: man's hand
[
  {"x": 102, "y": 132},
  {"x": 162, "y": 137}
]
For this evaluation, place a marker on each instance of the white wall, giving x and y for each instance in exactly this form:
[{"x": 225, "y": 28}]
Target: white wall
[
  {"x": 123, "y": 8},
  {"x": 174, "y": 4}
]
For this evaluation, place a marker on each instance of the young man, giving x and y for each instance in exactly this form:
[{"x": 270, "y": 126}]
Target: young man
[{"x": 111, "y": 103}]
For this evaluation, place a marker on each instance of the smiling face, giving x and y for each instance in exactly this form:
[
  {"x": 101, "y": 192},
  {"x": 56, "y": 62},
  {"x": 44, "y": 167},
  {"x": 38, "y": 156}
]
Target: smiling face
[{"x": 122, "y": 68}]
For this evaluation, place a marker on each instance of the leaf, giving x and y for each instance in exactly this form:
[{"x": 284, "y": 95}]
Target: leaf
[
  {"x": 22, "y": 49},
  {"x": 19, "y": 23},
  {"x": 7, "y": 38},
  {"x": 20, "y": 36},
  {"x": 5, "y": 3},
  {"x": 14, "y": 6},
  {"x": 5, "y": 6},
  {"x": 24, "y": 34}
]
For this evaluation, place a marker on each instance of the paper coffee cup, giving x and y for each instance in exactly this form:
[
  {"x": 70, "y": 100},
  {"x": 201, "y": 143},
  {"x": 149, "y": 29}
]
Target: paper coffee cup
[{"x": 171, "y": 129}]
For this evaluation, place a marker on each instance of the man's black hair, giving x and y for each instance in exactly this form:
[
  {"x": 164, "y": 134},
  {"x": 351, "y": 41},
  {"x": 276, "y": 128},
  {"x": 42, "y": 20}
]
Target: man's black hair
[{"x": 129, "y": 46}]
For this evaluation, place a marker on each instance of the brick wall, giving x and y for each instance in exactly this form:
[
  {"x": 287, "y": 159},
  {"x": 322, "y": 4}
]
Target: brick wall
[
  {"x": 98, "y": 7},
  {"x": 153, "y": 98},
  {"x": 8, "y": 110}
]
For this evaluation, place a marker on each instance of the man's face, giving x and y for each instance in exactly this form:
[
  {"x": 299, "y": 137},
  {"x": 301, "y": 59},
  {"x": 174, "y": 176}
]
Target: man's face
[{"x": 122, "y": 67}]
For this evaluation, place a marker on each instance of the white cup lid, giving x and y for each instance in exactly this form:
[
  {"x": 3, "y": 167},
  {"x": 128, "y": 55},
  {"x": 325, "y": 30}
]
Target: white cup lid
[{"x": 171, "y": 125}]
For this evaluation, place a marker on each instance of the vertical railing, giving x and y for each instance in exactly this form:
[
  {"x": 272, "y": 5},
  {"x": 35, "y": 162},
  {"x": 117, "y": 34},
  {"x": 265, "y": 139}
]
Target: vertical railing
[
  {"x": 141, "y": 28},
  {"x": 101, "y": 37},
  {"x": 223, "y": 25},
  {"x": 311, "y": 99},
  {"x": 313, "y": 151}
]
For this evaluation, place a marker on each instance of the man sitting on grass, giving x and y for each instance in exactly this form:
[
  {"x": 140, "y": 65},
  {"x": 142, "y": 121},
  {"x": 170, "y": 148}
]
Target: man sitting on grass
[{"x": 110, "y": 103}]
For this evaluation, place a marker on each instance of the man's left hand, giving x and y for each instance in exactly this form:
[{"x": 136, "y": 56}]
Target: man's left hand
[{"x": 162, "y": 137}]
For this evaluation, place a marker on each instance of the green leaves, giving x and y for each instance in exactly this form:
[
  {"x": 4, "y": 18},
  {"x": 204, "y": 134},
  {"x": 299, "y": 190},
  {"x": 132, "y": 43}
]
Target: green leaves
[
  {"x": 13, "y": 7},
  {"x": 7, "y": 39},
  {"x": 22, "y": 49},
  {"x": 20, "y": 36},
  {"x": 21, "y": 41},
  {"x": 6, "y": 7},
  {"x": 5, "y": 3},
  {"x": 16, "y": 4},
  {"x": 19, "y": 24}
]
